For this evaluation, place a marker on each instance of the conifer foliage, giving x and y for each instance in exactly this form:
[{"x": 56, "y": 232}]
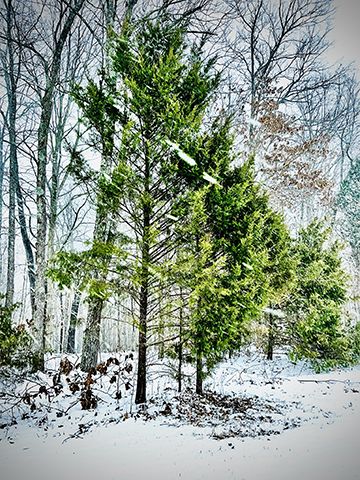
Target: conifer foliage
[{"x": 317, "y": 328}]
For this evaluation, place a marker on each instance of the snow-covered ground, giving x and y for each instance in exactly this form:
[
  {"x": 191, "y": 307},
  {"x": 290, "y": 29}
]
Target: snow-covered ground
[{"x": 288, "y": 424}]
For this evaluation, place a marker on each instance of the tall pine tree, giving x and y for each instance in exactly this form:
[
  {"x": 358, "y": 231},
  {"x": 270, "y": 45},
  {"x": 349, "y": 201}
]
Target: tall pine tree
[{"x": 163, "y": 90}]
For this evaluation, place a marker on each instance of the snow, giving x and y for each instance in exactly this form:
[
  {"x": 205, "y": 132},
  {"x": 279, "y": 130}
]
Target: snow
[{"x": 325, "y": 444}]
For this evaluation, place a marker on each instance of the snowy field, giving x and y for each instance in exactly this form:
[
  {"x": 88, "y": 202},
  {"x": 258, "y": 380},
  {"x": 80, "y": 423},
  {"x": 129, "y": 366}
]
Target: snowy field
[{"x": 258, "y": 420}]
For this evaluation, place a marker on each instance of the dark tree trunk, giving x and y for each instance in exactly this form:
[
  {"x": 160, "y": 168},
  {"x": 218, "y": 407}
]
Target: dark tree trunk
[
  {"x": 70, "y": 346},
  {"x": 199, "y": 375},
  {"x": 26, "y": 241},
  {"x": 141, "y": 373},
  {"x": 271, "y": 338},
  {"x": 144, "y": 289},
  {"x": 180, "y": 357},
  {"x": 144, "y": 293}
]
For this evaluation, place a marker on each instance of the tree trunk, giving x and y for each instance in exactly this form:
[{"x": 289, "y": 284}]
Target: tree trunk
[
  {"x": 141, "y": 373},
  {"x": 2, "y": 165},
  {"x": 70, "y": 345},
  {"x": 10, "y": 281},
  {"x": 180, "y": 353},
  {"x": 271, "y": 339},
  {"x": 40, "y": 295},
  {"x": 91, "y": 340},
  {"x": 26, "y": 241},
  {"x": 62, "y": 324},
  {"x": 11, "y": 86},
  {"x": 91, "y": 344},
  {"x": 199, "y": 375},
  {"x": 144, "y": 294}
]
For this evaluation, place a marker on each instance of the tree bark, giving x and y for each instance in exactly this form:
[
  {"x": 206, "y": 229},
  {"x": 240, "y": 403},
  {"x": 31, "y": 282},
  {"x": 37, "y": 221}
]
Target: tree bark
[
  {"x": 26, "y": 240},
  {"x": 62, "y": 324},
  {"x": 141, "y": 373},
  {"x": 2, "y": 166},
  {"x": 180, "y": 353},
  {"x": 271, "y": 339},
  {"x": 91, "y": 343},
  {"x": 144, "y": 290},
  {"x": 199, "y": 375},
  {"x": 91, "y": 340},
  {"x": 11, "y": 85},
  {"x": 70, "y": 345}
]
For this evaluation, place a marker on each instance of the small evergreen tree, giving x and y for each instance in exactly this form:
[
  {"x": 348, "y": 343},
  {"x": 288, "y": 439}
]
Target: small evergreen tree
[
  {"x": 239, "y": 251},
  {"x": 205, "y": 325},
  {"x": 316, "y": 330},
  {"x": 256, "y": 242}
]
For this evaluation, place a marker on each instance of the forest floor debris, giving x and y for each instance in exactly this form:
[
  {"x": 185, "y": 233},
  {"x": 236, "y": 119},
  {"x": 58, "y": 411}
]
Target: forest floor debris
[{"x": 245, "y": 397}]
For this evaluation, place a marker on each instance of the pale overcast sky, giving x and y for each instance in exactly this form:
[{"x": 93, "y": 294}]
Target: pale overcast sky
[{"x": 346, "y": 32}]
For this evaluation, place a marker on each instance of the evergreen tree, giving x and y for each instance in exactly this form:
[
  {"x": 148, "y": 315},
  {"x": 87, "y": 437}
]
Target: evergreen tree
[
  {"x": 256, "y": 241},
  {"x": 162, "y": 93},
  {"x": 316, "y": 330},
  {"x": 16, "y": 345},
  {"x": 198, "y": 270},
  {"x": 238, "y": 253}
]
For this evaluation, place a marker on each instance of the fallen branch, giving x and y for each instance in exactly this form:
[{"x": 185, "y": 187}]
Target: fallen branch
[{"x": 327, "y": 381}]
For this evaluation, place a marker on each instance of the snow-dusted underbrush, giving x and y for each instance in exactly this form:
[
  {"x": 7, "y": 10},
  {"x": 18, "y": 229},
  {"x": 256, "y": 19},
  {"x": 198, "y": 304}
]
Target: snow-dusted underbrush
[
  {"x": 62, "y": 389},
  {"x": 246, "y": 396}
]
